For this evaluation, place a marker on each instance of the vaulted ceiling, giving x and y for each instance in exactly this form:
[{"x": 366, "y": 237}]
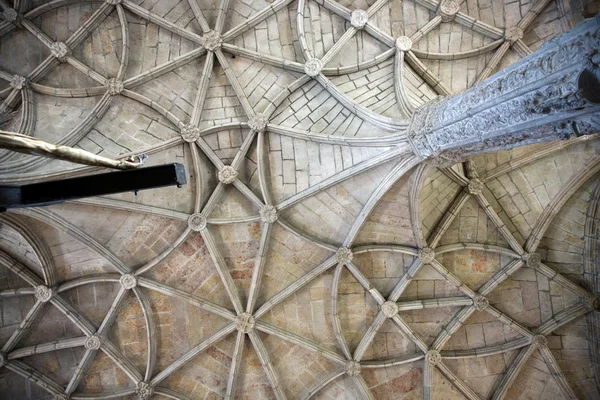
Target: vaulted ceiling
[{"x": 310, "y": 253}]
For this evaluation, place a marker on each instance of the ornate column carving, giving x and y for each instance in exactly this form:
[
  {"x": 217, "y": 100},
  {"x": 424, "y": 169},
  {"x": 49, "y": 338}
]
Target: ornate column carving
[{"x": 550, "y": 94}]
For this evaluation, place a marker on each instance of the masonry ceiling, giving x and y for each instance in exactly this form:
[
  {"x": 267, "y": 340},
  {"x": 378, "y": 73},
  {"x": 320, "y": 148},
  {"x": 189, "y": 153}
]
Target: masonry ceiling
[{"x": 310, "y": 253}]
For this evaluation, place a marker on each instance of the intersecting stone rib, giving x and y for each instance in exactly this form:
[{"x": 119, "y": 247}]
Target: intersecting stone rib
[
  {"x": 487, "y": 350},
  {"x": 259, "y": 266},
  {"x": 300, "y": 341},
  {"x": 60, "y": 344},
  {"x": 398, "y": 151},
  {"x": 190, "y": 298},
  {"x": 493, "y": 216},
  {"x": 34, "y": 376},
  {"x": 493, "y": 63},
  {"x": 18, "y": 334},
  {"x": 391, "y": 178},
  {"x": 368, "y": 336},
  {"x": 202, "y": 88},
  {"x": 19, "y": 269},
  {"x": 296, "y": 285},
  {"x": 513, "y": 371},
  {"x": 199, "y": 15},
  {"x": 236, "y": 360},
  {"x": 219, "y": 335},
  {"x": 335, "y": 318},
  {"x": 557, "y": 372},
  {"x": 255, "y": 19},
  {"x": 321, "y": 383},
  {"x": 451, "y": 213},
  {"x": 151, "y": 341},
  {"x": 457, "y": 382},
  {"x": 263, "y": 356},
  {"x": 164, "y": 68},
  {"x": 363, "y": 387},
  {"x": 263, "y": 58},
  {"x": 235, "y": 84},
  {"x": 163, "y": 23}
]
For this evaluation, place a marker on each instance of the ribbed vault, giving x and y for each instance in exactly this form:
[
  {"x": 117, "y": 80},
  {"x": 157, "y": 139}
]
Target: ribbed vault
[{"x": 311, "y": 254}]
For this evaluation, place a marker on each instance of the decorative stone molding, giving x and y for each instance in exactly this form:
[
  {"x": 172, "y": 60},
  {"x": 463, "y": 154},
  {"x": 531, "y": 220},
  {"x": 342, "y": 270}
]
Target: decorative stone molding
[
  {"x": 475, "y": 186},
  {"x": 344, "y": 255},
  {"x": 433, "y": 357},
  {"x": 3, "y": 360},
  {"x": 212, "y": 40},
  {"x": 18, "y": 82},
  {"x": 359, "y": 18},
  {"x": 353, "y": 368},
  {"x": 513, "y": 33},
  {"x": 10, "y": 15},
  {"x": 313, "y": 67},
  {"x": 592, "y": 303},
  {"x": 197, "y": 222},
  {"x": 227, "y": 175},
  {"x": 448, "y": 10},
  {"x": 60, "y": 396},
  {"x": 539, "y": 340},
  {"x": 258, "y": 122},
  {"x": 144, "y": 391},
  {"x": 481, "y": 302},
  {"x": 268, "y": 213},
  {"x": 404, "y": 43},
  {"x": 128, "y": 281},
  {"x": 60, "y": 51},
  {"x": 426, "y": 255},
  {"x": 244, "y": 322},
  {"x": 114, "y": 86},
  {"x": 43, "y": 293},
  {"x": 389, "y": 309},
  {"x": 494, "y": 115},
  {"x": 190, "y": 133},
  {"x": 93, "y": 342},
  {"x": 114, "y": 2},
  {"x": 533, "y": 260}
]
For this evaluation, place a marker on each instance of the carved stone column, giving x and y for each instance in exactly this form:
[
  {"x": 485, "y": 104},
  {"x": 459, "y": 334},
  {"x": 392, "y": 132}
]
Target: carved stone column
[{"x": 550, "y": 94}]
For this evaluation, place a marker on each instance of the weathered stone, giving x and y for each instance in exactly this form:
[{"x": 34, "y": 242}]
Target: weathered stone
[
  {"x": 533, "y": 260},
  {"x": 389, "y": 309},
  {"x": 268, "y": 213},
  {"x": 244, "y": 322},
  {"x": 426, "y": 255},
  {"x": 404, "y": 43},
  {"x": 313, "y": 67},
  {"x": 212, "y": 40},
  {"x": 60, "y": 396},
  {"x": 10, "y": 15},
  {"x": 481, "y": 302},
  {"x": 433, "y": 357},
  {"x": 60, "y": 51},
  {"x": 475, "y": 186},
  {"x": 43, "y": 293},
  {"x": 114, "y": 2},
  {"x": 197, "y": 222},
  {"x": 227, "y": 175},
  {"x": 18, "y": 82},
  {"x": 539, "y": 340},
  {"x": 448, "y": 10},
  {"x": 344, "y": 255},
  {"x": 353, "y": 368},
  {"x": 114, "y": 86},
  {"x": 3, "y": 360},
  {"x": 190, "y": 133},
  {"x": 93, "y": 342},
  {"x": 144, "y": 391},
  {"x": 258, "y": 122},
  {"x": 359, "y": 18},
  {"x": 513, "y": 34},
  {"x": 128, "y": 281}
]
